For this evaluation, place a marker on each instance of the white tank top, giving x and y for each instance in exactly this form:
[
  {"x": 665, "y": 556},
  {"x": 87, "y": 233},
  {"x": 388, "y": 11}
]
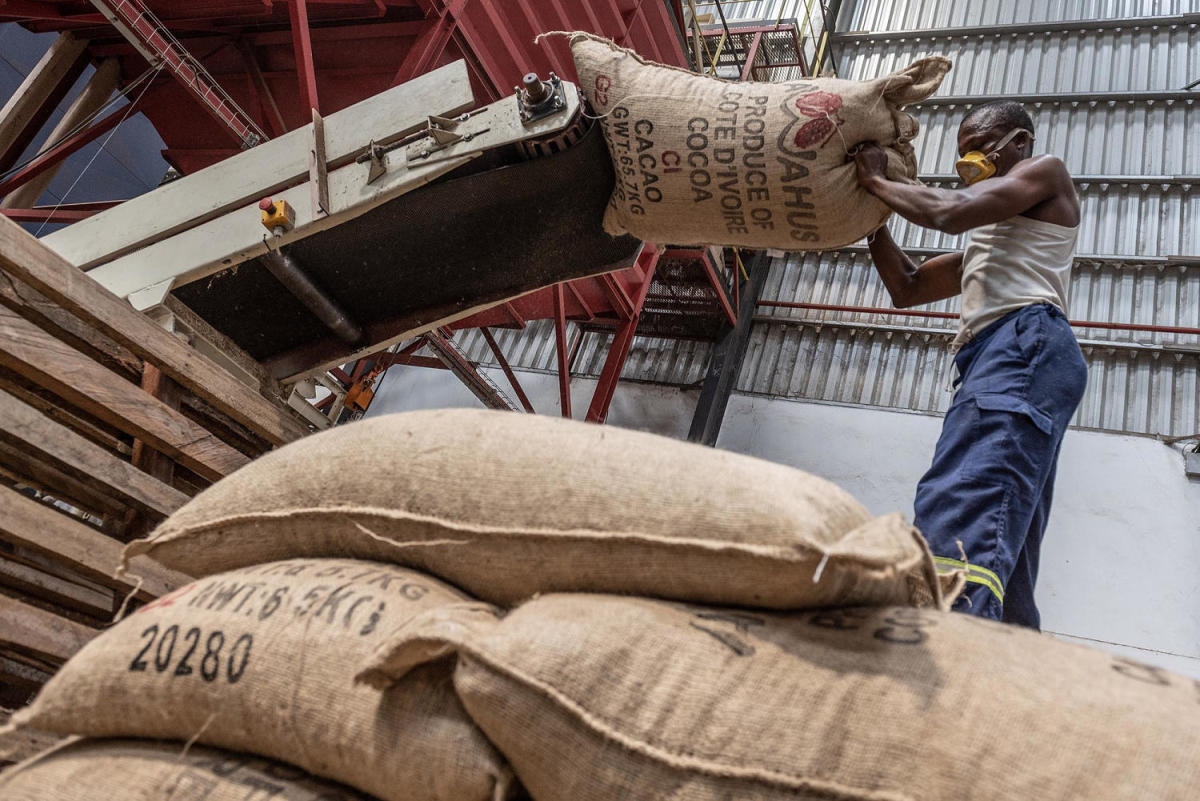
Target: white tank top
[{"x": 1011, "y": 264}]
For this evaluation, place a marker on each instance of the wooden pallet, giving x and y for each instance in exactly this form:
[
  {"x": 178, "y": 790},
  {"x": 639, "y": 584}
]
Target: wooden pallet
[{"x": 108, "y": 423}]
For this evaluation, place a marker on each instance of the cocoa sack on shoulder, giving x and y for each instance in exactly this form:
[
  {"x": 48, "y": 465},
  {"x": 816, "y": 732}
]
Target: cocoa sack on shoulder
[
  {"x": 594, "y": 698},
  {"x": 704, "y": 161},
  {"x": 509, "y": 505},
  {"x": 262, "y": 660},
  {"x": 125, "y": 770}
]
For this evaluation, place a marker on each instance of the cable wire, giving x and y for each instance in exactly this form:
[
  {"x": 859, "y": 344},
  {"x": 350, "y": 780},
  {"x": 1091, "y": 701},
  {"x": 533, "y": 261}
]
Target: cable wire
[
  {"x": 124, "y": 92},
  {"x": 128, "y": 110}
]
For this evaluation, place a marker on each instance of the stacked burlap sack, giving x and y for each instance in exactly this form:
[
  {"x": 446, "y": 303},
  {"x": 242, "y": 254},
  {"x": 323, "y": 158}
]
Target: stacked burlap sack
[{"x": 423, "y": 605}]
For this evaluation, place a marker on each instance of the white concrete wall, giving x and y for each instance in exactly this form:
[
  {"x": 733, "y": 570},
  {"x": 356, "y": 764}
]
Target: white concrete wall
[{"x": 1122, "y": 551}]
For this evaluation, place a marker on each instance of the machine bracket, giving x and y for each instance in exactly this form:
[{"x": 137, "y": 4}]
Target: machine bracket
[
  {"x": 376, "y": 155},
  {"x": 318, "y": 168},
  {"x": 538, "y": 99}
]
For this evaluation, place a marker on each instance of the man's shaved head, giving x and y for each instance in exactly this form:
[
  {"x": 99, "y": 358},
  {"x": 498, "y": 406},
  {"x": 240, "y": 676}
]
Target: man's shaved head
[{"x": 1000, "y": 115}]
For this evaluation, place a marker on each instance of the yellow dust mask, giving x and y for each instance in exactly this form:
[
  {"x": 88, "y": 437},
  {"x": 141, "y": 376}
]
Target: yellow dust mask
[{"x": 974, "y": 166}]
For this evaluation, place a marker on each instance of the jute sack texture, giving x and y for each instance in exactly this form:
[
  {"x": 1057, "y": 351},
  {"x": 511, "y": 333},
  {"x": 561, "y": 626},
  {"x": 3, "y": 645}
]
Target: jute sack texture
[
  {"x": 702, "y": 161},
  {"x": 133, "y": 770},
  {"x": 603, "y": 698},
  {"x": 262, "y": 660},
  {"x": 509, "y": 505}
]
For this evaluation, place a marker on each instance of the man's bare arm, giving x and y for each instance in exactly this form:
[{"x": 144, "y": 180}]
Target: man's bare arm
[
  {"x": 910, "y": 284},
  {"x": 953, "y": 211}
]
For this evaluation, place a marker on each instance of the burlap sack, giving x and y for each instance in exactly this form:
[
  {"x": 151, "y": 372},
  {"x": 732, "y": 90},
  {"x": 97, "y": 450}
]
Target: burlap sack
[
  {"x": 141, "y": 770},
  {"x": 17, "y": 746},
  {"x": 262, "y": 660},
  {"x": 602, "y": 698},
  {"x": 508, "y": 505},
  {"x": 704, "y": 161}
]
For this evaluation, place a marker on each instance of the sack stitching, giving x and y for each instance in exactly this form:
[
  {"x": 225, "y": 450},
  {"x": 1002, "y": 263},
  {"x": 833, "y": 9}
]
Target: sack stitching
[{"x": 831, "y": 791}]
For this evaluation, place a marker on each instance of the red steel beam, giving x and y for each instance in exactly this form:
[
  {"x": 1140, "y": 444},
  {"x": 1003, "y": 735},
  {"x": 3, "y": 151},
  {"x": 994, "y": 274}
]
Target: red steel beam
[
  {"x": 508, "y": 372},
  {"x": 46, "y": 215},
  {"x": 302, "y": 45},
  {"x": 146, "y": 33},
  {"x": 1156, "y": 329},
  {"x": 560, "y": 342},
  {"x": 417, "y": 361},
  {"x": 262, "y": 93},
  {"x": 618, "y": 351},
  {"x": 719, "y": 288},
  {"x": 583, "y": 304},
  {"x": 322, "y": 35},
  {"x": 610, "y": 374},
  {"x": 430, "y": 44},
  {"x": 748, "y": 69}
]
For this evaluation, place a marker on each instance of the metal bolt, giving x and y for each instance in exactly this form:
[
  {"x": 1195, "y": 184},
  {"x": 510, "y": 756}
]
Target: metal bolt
[{"x": 535, "y": 90}]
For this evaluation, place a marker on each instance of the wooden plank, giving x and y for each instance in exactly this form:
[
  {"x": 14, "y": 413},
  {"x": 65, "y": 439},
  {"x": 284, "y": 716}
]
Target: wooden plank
[
  {"x": 29, "y": 524},
  {"x": 154, "y": 463},
  {"x": 23, "y": 425},
  {"x": 29, "y": 581},
  {"x": 88, "y": 103},
  {"x": 262, "y": 170},
  {"x": 20, "y": 676},
  {"x": 145, "y": 458},
  {"x": 23, "y": 107},
  {"x": 23, "y": 467},
  {"x": 40, "y": 310},
  {"x": 31, "y": 262},
  {"x": 51, "y": 406},
  {"x": 40, "y": 632},
  {"x": 39, "y": 357}
]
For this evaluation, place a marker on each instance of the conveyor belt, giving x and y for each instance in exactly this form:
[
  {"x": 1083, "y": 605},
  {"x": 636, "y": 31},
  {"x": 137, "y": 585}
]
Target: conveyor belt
[{"x": 426, "y": 256}]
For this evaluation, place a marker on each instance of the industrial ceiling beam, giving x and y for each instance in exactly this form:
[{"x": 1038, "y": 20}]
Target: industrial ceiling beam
[
  {"x": 508, "y": 371},
  {"x": 302, "y": 46},
  {"x": 156, "y": 44},
  {"x": 560, "y": 346},
  {"x": 46, "y": 215},
  {"x": 1007, "y": 29},
  {"x": 262, "y": 92},
  {"x": 456, "y": 362}
]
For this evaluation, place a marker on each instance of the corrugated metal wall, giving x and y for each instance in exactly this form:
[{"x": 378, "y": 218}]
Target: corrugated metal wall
[{"x": 1103, "y": 81}]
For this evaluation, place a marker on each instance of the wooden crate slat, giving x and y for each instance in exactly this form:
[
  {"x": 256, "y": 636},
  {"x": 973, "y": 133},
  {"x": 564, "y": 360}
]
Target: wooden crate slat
[
  {"x": 49, "y": 316},
  {"x": 25, "y": 522},
  {"x": 19, "y": 465},
  {"x": 91, "y": 464},
  {"x": 40, "y": 632},
  {"x": 31, "y": 582},
  {"x": 39, "y": 357},
  {"x": 22, "y": 256}
]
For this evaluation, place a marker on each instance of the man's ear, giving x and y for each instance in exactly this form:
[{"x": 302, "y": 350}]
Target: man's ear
[{"x": 1025, "y": 142}]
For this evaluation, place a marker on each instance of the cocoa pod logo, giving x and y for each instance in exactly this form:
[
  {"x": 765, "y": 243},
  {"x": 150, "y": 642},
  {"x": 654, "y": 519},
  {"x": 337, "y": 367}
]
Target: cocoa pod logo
[{"x": 816, "y": 120}]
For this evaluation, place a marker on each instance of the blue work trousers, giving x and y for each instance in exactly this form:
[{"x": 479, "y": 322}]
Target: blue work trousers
[{"x": 990, "y": 486}]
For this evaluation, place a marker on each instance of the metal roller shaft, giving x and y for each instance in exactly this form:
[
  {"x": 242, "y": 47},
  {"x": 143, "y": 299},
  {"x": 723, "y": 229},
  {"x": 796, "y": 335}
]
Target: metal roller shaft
[{"x": 289, "y": 273}]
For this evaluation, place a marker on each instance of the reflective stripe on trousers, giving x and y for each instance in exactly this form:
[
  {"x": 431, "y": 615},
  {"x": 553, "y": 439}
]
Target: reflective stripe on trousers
[{"x": 987, "y": 494}]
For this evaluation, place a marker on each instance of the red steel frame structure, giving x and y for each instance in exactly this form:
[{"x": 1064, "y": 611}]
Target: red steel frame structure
[{"x": 281, "y": 59}]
